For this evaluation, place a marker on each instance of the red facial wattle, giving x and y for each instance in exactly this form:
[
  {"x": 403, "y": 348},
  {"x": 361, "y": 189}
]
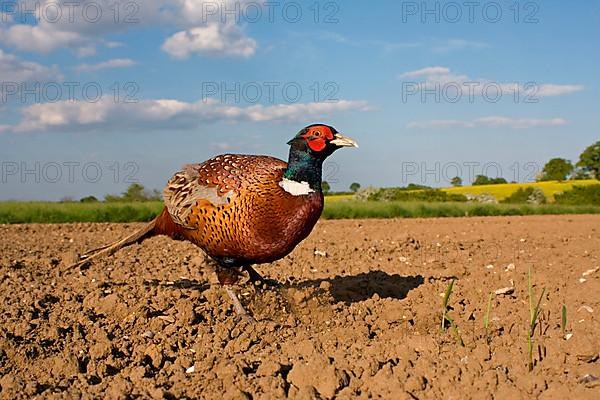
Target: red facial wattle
[
  {"x": 317, "y": 144},
  {"x": 317, "y": 137}
]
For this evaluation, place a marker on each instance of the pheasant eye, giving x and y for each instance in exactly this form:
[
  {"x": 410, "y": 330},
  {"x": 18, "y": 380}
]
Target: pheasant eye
[{"x": 317, "y": 133}]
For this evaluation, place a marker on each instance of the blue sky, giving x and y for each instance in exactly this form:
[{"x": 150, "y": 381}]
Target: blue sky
[{"x": 373, "y": 70}]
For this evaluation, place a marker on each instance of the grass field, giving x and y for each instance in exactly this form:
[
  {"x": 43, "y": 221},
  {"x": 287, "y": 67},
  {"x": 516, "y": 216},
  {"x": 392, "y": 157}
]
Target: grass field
[
  {"x": 376, "y": 209},
  {"x": 39, "y": 212},
  {"x": 43, "y": 212},
  {"x": 500, "y": 192}
]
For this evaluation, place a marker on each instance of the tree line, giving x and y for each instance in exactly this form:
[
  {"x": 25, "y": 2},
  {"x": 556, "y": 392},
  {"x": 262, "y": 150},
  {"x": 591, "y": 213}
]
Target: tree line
[{"x": 556, "y": 169}]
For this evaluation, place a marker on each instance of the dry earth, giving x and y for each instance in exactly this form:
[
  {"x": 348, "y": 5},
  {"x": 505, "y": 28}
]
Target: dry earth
[{"x": 358, "y": 315}]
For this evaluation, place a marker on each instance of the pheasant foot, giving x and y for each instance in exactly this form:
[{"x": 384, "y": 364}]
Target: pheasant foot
[{"x": 237, "y": 305}]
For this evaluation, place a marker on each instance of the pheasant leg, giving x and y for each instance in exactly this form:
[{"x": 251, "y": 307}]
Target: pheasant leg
[
  {"x": 253, "y": 274},
  {"x": 227, "y": 278},
  {"x": 257, "y": 278},
  {"x": 237, "y": 305}
]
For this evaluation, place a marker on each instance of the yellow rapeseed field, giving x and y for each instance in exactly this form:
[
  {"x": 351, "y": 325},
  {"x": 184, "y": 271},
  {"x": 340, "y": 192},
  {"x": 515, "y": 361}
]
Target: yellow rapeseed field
[
  {"x": 335, "y": 199},
  {"x": 500, "y": 192}
]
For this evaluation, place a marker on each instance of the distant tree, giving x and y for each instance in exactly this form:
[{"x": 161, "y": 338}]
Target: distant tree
[
  {"x": 67, "y": 199},
  {"x": 484, "y": 180},
  {"x": 481, "y": 180},
  {"x": 111, "y": 198},
  {"x": 415, "y": 186},
  {"x": 325, "y": 187},
  {"x": 135, "y": 192},
  {"x": 355, "y": 187},
  {"x": 589, "y": 160},
  {"x": 580, "y": 195},
  {"x": 557, "y": 169},
  {"x": 456, "y": 181},
  {"x": 88, "y": 199}
]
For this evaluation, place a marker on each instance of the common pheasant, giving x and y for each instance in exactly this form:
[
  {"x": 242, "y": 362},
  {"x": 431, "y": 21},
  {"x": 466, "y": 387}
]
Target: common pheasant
[{"x": 244, "y": 209}]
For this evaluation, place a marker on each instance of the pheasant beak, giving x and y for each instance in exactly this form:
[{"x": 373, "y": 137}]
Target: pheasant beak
[{"x": 342, "y": 141}]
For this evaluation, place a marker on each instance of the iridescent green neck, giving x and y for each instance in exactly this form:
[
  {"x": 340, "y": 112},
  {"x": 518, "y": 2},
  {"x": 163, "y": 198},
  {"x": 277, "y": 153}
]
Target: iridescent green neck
[{"x": 304, "y": 167}]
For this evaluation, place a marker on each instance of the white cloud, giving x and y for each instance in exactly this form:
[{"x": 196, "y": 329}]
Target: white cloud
[
  {"x": 13, "y": 69},
  {"x": 386, "y": 46},
  {"x": 437, "y": 74},
  {"x": 164, "y": 114},
  {"x": 40, "y": 38},
  {"x": 199, "y": 30},
  {"x": 86, "y": 50},
  {"x": 221, "y": 146},
  {"x": 439, "y": 124},
  {"x": 17, "y": 75},
  {"x": 212, "y": 39},
  {"x": 488, "y": 122},
  {"x": 427, "y": 71},
  {"x": 114, "y": 63},
  {"x": 300, "y": 111},
  {"x": 548, "y": 90},
  {"x": 113, "y": 44},
  {"x": 519, "y": 123},
  {"x": 450, "y": 45},
  {"x": 436, "y": 45},
  {"x": 434, "y": 78}
]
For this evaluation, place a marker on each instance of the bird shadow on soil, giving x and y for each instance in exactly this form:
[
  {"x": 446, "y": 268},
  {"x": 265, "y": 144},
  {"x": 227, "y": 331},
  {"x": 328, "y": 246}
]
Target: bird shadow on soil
[
  {"x": 357, "y": 288},
  {"x": 348, "y": 289},
  {"x": 182, "y": 283}
]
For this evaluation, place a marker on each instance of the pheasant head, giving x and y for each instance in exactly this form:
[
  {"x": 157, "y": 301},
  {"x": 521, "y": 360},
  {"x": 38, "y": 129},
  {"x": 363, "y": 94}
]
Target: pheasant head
[
  {"x": 309, "y": 148},
  {"x": 320, "y": 141}
]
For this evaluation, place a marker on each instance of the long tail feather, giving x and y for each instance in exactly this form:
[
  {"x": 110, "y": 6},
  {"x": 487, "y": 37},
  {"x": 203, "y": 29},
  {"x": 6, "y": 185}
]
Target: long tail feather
[{"x": 110, "y": 249}]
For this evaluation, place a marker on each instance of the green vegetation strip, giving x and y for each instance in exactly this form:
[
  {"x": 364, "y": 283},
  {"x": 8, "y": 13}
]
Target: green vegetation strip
[
  {"x": 374, "y": 209},
  {"x": 40, "y": 212}
]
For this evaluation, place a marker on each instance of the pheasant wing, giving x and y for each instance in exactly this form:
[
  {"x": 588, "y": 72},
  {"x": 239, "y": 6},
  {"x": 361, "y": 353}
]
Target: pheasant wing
[
  {"x": 187, "y": 190},
  {"x": 215, "y": 183}
]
